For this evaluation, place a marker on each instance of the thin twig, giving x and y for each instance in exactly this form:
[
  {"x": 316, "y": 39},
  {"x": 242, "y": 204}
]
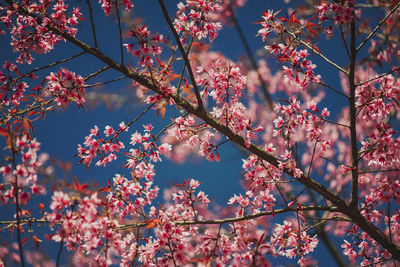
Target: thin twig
[
  {"x": 106, "y": 82},
  {"x": 183, "y": 69},
  {"x": 133, "y": 121},
  {"x": 379, "y": 76},
  {"x": 48, "y": 66},
  {"x": 336, "y": 123},
  {"x": 333, "y": 89},
  {"x": 92, "y": 23},
  {"x": 120, "y": 33},
  {"x": 316, "y": 52},
  {"x": 90, "y": 76},
  {"x": 378, "y": 26},
  {"x": 59, "y": 252},
  {"x": 344, "y": 40},
  {"x": 312, "y": 158},
  {"x": 377, "y": 171},
  {"x": 251, "y": 58}
]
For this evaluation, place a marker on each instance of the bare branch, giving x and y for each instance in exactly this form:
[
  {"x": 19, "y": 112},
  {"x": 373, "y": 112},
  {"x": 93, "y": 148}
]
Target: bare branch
[
  {"x": 90, "y": 76},
  {"x": 92, "y": 23},
  {"x": 48, "y": 66},
  {"x": 120, "y": 32},
  {"x": 379, "y": 76},
  {"x": 333, "y": 89},
  {"x": 251, "y": 58},
  {"x": 316, "y": 52},
  {"x": 378, "y": 26}
]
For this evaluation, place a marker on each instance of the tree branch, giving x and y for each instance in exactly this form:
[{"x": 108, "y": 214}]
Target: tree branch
[
  {"x": 92, "y": 23},
  {"x": 120, "y": 33},
  {"x": 184, "y": 55},
  {"x": 378, "y": 26},
  {"x": 236, "y": 219},
  {"x": 353, "y": 115},
  {"x": 251, "y": 58},
  {"x": 316, "y": 52}
]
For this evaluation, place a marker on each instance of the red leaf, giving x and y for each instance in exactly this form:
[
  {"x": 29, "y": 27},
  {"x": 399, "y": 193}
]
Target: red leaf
[
  {"x": 79, "y": 187},
  {"x": 4, "y": 132},
  {"x": 316, "y": 48},
  {"x": 152, "y": 223},
  {"x": 36, "y": 240}
]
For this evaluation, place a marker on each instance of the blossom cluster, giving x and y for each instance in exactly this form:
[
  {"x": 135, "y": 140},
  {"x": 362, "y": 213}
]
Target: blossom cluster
[
  {"x": 24, "y": 173},
  {"x": 148, "y": 45},
  {"x": 193, "y": 137},
  {"x": 290, "y": 242},
  {"x": 94, "y": 146},
  {"x": 30, "y": 33},
  {"x": 194, "y": 19},
  {"x": 66, "y": 87},
  {"x": 107, "y": 5},
  {"x": 343, "y": 11},
  {"x": 14, "y": 91}
]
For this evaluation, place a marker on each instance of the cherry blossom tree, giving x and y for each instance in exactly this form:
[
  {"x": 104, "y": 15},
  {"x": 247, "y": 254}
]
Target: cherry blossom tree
[{"x": 315, "y": 172}]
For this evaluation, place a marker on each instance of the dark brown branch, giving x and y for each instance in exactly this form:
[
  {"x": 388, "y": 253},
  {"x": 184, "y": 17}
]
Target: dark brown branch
[
  {"x": 344, "y": 40},
  {"x": 106, "y": 82},
  {"x": 353, "y": 116},
  {"x": 59, "y": 252},
  {"x": 336, "y": 123},
  {"x": 184, "y": 55},
  {"x": 90, "y": 76},
  {"x": 17, "y": 207},
  {"x": 333, "y": 89}
]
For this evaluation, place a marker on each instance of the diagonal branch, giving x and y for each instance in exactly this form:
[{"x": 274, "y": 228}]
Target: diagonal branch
[
  {"x": 92, "y": 23},
  {"x": 378, "y": 26},
  {"x": 251, "y": 58},
  {"x": 120, "y": 33},
  {"x": 184, "y": 55},
  {"x": 316, "y": 52},
  {"x": 379, "y": 76}
]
